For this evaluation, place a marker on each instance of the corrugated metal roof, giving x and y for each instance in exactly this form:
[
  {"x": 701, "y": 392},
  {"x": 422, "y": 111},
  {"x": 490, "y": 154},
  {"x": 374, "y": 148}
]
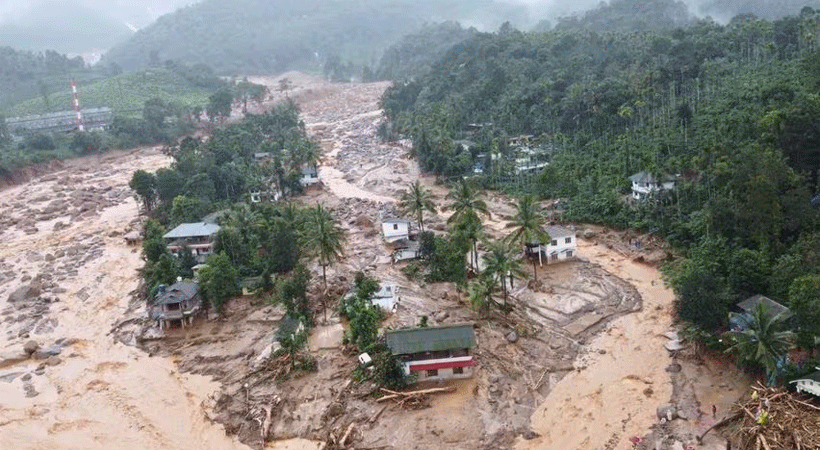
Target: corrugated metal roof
[
  {"x": 418, "y": 340},
  {"x": 178, "y": 292},
  {"x": 751, "y": 303},
  {"x": 186, "y": 230},
  {"x": 557, "y": 232}
]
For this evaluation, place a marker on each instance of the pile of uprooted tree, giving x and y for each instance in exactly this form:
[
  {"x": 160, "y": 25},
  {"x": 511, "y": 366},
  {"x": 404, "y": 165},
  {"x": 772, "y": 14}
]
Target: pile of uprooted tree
[{"x": 773, "y": 419}]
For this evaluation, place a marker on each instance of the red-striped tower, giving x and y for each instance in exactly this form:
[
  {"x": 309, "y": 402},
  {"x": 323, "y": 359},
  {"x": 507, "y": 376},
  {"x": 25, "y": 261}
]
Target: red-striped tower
[{"x": 80, "y": 125}]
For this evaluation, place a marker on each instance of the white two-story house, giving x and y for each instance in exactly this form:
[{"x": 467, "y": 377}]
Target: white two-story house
[
  {"x": 645, "y": 184},
  {"x": 563, "y": 243}
]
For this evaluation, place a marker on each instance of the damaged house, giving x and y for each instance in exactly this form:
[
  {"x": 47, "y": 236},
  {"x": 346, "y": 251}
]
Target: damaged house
[{"x": 434, "y": 353}]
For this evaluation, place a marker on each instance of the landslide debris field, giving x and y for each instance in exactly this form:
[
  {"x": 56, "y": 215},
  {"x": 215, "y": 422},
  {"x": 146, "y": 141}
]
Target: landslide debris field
[
  {"x": 361, "y": 180},
  {"x": 579, "y": 363}
]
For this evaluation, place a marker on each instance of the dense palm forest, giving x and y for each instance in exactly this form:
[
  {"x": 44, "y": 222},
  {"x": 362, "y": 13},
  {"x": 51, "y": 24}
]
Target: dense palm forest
[{"x": 730, "y": 110}]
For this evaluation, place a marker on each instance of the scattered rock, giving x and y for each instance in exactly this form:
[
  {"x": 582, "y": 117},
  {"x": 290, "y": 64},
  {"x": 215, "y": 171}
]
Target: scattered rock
[
  {"x": 673, "y": 368},
  {"x": 23, "y": 293},
  {"x": 54, "y": 360},
  {"x": 31, "y": 347},
  {"x": 666, "y": 412},
  {"x": 588, "y": 234},
  {"x": 26, "y": 377},
  {"x": 512, "y": 337}
]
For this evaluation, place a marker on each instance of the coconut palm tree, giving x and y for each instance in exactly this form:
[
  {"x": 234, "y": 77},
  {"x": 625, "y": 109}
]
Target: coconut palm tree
[
  {"x": 764, "y": 342},
  {"x": 417, "y": 200},
  {"x": 501, "y": 264},
  {"x": 326, "y": 241},
  {"x": 482, "y": 292},
  {"x": 464, "y": 199},
  {"x": 469, "y": 228},
  {"x": 465, "y": 221},
  {"x": 528, "y": 226}
]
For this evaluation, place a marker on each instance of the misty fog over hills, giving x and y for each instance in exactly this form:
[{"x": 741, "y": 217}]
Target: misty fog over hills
[{"x": 241, "y": 31}]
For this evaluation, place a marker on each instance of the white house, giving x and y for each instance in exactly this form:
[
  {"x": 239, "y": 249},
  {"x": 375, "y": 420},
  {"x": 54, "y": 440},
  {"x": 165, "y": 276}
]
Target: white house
[
  {"x": 644, "y": 184},
  {"x": 563, "y": 244},
  {"x": 310, "y": 175},
  {"x": 434, "y": 353},
  {"x": 809, "y": 383},
  {"x": 395, "y": 230},
  {"x": 386, "y": 297},
  {"x": 407, "y": 250}
]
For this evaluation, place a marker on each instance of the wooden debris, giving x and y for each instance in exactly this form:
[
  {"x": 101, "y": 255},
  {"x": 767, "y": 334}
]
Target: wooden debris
[
  {"x": 407, "y": 395},
  {"x": 347, "y": 434},
  {"x": 774, "y": 419}
]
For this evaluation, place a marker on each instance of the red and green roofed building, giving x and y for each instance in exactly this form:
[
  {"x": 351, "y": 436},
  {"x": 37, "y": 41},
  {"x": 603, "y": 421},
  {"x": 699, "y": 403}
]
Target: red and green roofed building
[{"x": 434, "y": 353}]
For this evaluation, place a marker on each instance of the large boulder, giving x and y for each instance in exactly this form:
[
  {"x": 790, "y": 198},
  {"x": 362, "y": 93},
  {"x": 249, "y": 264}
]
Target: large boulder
[
  {"x": 23, "y": 293},
  {"x": 30, "y": 347}
]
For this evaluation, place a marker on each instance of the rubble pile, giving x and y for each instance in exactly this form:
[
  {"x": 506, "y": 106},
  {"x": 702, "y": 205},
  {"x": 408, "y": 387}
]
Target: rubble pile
[{"x": 775, "y": 419}]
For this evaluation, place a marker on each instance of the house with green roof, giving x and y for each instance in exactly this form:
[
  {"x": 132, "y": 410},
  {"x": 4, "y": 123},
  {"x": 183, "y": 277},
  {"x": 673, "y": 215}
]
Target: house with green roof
[{"x": 434, "y": 353}]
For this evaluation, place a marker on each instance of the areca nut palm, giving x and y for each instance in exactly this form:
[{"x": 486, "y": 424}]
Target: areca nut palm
[
  {"x": 500, "y": 262},
  {"x": 765, "y": 341},
  {"x": 417, "y": 200},
  {"x": 528, "y": 226}
]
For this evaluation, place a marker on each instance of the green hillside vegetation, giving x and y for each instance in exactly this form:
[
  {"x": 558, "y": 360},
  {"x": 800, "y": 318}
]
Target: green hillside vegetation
[
  {"x": 125, "y": 93},
  {"x": 246, "y": 36},
  {"x": 25, "y": 75},
  {"x": 415, "y": 53},
  {"x": 732, "y": 111}
]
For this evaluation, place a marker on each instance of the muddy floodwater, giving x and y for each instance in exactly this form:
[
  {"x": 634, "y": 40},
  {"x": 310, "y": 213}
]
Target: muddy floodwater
[{"x": 62, "y": 240}]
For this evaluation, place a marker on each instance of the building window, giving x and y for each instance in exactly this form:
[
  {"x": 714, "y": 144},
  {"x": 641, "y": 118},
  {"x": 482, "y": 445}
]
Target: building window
[
  {"x": 554, "y": 242},
  {"x": 395, "y": 226},
  {"x": 458, "y": 370},
  {"x": 569, "y": 254},
  {"x": 568, "y": 240},
  {"x": 432, "y": 373},
  {"x": 554, "y": 256}
]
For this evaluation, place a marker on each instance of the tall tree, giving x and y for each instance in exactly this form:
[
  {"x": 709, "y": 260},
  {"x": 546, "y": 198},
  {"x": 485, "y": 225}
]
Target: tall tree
[
  {"x": 326, "y": 241},
  {"x": 219, "y": 281},
  {"x": 464, "y": 198},
  {"x": 501, "y": 264},
  {"x": 144, "y": 184},
  {"x": 528, "y": 226},
  {"x": 417, "y": 200}
]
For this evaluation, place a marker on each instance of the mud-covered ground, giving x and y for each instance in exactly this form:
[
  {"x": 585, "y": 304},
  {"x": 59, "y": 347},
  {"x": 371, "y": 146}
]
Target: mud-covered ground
[
  {"x": 362, "y": 178},
  {"x": 587, "y": 369}
]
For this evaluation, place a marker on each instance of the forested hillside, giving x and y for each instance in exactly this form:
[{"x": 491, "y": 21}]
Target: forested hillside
[
  {"x": 627, "y": 16},
  {"x": 730, "y": 111},
  {"x": 24, "y": 75},
  {"x": 416, "y": 52},
  {"x": 263, "y": 36}
]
